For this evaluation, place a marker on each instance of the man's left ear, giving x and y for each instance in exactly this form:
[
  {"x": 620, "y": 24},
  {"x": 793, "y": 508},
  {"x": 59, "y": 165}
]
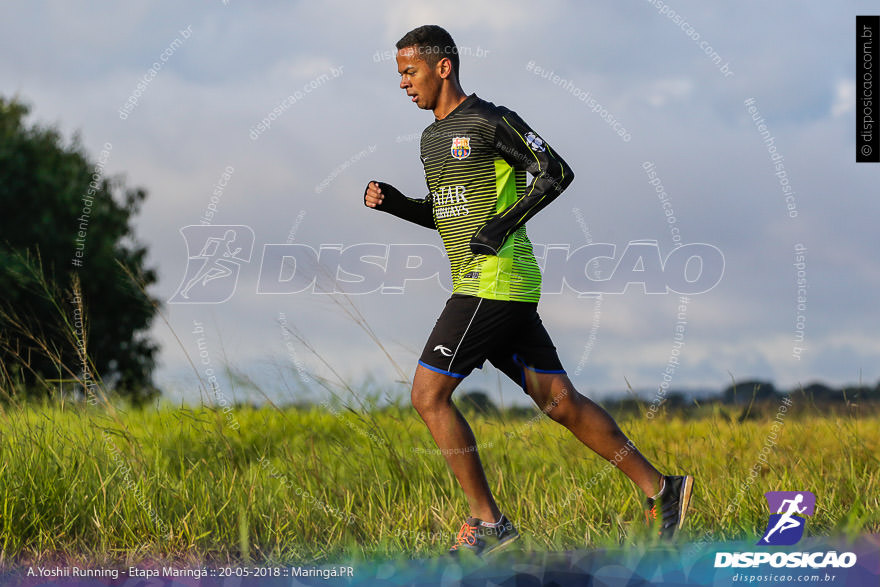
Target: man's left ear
[{"x": 445, "y": 67}]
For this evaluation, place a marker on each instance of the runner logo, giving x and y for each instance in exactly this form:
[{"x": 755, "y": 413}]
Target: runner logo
[
  {"x": 212, "y": 274},
  {"x": 786, "y": 526},
  {"x": 443, "y": 350}
]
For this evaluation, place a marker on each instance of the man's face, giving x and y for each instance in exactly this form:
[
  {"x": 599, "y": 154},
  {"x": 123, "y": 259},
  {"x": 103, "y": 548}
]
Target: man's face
[{"x": 420, "y": 81}]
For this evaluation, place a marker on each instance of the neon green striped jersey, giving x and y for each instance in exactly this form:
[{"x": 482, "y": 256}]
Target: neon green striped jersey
[{"x": 476, "y": 160}]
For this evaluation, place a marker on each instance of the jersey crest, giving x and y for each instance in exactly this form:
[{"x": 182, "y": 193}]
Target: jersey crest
[{"x": 461, "y": 147}]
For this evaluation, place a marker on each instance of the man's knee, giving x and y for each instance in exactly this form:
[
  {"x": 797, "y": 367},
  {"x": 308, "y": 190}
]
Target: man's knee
[
  {"x": 425, "y": 399},
  {"x": 430, "y": 393},
  {"x": 564, "y": 406}
]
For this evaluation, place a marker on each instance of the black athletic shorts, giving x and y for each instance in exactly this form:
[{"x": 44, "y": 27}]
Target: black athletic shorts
[{"x": 510, "y": 335}]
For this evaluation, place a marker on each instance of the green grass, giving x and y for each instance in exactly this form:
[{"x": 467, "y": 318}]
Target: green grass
[{"x": 86, "y": 484}]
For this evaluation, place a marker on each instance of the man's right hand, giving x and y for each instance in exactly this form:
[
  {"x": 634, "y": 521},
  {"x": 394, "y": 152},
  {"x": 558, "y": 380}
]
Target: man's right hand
[{"x": 373, "y": 195}]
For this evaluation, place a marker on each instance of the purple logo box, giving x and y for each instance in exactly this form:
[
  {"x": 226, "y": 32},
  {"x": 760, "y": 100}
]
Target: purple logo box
[{"x": 806, "y": 501}]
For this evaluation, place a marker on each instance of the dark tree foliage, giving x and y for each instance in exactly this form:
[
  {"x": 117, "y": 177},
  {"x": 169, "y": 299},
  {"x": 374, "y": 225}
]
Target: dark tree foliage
[
  {"x": 57, "y": 210},
  {"x": 746, "y": 392},
  {"x": 478, "y": 401}
]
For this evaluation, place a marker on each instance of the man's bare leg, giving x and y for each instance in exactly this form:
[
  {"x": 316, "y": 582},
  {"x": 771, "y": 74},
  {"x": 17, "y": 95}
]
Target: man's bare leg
[
  {"x": 592, "y": 425},
  {"x": 432, "y": 399}
]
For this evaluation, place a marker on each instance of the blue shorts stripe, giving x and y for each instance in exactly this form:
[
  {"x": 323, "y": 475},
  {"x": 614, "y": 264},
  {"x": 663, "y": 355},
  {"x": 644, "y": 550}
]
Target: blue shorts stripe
[
  {"x": 522, "y": 364},
  {"x": 558, "y": 371},
  {"x": 438, "y": 370}
]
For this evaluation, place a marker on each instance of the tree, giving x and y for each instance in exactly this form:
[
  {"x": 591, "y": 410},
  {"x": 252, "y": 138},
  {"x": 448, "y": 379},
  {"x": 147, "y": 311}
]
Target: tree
[
  {"x": 747, "y": 391},
  {"x": 820, "y": 392},
  {"x": 67, "y": 244},
  {"x": 478, "y": 401}
]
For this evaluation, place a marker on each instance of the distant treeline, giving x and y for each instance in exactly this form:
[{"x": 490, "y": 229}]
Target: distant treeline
[{"x": 743, "y": 400}]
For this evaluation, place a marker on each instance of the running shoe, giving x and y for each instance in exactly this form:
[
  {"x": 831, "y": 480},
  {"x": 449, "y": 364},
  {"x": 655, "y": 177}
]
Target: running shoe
[
  {"x": 672, "y": 504},
  {"x": 481, "y": 540}
]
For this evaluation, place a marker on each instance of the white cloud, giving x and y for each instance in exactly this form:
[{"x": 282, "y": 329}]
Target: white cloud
[
  {"x": 662, "y": 91},
  {"x": 844, "y": 98}
]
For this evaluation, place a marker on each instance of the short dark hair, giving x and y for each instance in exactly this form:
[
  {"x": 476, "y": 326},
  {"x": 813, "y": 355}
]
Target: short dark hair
[{"x": 432, "y": 43}]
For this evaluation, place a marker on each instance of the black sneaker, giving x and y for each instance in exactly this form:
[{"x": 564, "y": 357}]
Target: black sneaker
[
  {"x": 672, "y": 504},
  {"x": 481, "y": 540}
]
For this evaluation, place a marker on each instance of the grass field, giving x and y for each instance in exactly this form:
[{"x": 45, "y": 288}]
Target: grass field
[{"x": 108, "y": 486}]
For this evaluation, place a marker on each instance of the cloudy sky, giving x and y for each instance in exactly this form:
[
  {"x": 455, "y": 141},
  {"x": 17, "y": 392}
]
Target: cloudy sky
[{"x": 676, "y": 78}]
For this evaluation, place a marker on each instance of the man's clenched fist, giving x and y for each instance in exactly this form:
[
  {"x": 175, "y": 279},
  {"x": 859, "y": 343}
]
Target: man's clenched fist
[{"x": 373, "y": 195}]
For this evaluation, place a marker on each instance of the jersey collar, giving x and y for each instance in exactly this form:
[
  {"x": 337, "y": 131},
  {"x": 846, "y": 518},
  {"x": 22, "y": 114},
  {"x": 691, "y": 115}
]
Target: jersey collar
[{"x": 467, "y": 103}]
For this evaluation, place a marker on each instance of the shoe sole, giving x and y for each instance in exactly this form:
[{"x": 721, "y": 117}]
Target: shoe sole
[
  {"x": 501, "y": 546},
  {"x": 684, "y": 500}
]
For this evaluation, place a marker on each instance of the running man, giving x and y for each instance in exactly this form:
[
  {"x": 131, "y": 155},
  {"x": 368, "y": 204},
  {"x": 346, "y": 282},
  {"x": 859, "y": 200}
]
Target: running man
[
  {"x": 787, "y": 520},
  {"x": 215, "y": 263},
  {"x": 476, "y": 156}
]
